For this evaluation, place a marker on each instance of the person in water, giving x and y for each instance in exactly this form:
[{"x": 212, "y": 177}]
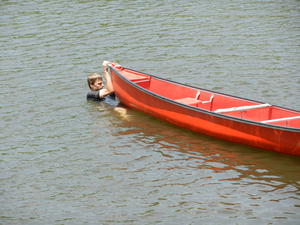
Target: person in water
[
  {"x": 95, "y": 82},
  {"x": 100, "y": 93}
]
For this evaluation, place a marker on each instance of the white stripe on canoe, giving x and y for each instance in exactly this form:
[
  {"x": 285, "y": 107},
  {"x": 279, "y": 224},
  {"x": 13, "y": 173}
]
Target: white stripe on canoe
[
  {"x": 242, "y": 108},
  {"x": 281, "y": 119}
]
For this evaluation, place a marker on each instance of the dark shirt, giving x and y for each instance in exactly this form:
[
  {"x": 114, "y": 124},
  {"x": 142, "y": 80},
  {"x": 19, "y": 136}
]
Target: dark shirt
[
  {"x": 111, "y": 99},
  {"x": 93, "y": 95}
]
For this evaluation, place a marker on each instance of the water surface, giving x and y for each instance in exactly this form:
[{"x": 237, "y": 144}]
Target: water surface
[{"x": 68, "y": 161}]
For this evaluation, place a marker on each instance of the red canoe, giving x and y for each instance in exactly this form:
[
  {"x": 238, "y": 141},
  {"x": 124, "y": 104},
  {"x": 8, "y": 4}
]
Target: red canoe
[{"x": 215, "y": 114}]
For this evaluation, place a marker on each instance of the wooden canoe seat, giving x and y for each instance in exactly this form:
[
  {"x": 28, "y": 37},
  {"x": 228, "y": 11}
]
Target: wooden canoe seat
[
  {"x": 281, "y": 119},
  {"x": 194, "y": 101},
  {"x": 242, "y": 108},
  {"x": 135, "y": 77},
  {"x": 188, "y": 101}
]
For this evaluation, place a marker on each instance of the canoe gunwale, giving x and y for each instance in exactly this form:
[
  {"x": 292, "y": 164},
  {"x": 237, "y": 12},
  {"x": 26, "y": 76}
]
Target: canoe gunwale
[{"x": 212, "y": 113}]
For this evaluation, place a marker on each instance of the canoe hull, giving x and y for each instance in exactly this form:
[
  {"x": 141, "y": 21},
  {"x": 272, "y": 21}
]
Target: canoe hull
[{"x": 205, "y": 122}]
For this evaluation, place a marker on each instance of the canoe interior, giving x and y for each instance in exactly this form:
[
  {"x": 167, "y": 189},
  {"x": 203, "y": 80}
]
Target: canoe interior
[{"x": 215, "y": 102}]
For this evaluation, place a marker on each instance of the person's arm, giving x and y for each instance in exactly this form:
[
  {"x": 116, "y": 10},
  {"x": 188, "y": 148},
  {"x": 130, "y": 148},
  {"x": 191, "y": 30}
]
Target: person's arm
[{"x": 109, "y": 87}]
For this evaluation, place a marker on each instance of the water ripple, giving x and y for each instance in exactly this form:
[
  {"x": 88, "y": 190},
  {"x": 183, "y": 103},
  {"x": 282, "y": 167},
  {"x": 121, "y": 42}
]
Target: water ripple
[{"x": 66, "y": 161}]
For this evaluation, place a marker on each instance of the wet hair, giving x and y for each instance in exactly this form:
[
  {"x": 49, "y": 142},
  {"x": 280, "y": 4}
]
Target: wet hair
[{"x": 92, "y": 78}]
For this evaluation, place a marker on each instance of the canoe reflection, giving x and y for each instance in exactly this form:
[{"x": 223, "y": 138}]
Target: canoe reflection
[{"x": 202, "y": 152}]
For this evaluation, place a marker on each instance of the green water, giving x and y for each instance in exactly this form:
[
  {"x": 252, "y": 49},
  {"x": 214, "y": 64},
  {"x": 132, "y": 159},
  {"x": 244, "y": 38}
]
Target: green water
[{"x": 67, "y": 161}]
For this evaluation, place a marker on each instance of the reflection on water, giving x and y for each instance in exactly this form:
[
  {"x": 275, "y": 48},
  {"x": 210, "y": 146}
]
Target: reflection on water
[
  {"x": 68, "y": 161},
  {"x": 233, "y": 179}
]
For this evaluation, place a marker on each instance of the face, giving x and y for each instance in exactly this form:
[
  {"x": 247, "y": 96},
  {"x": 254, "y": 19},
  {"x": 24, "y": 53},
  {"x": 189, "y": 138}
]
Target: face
[{"x": 97, "y": 85}]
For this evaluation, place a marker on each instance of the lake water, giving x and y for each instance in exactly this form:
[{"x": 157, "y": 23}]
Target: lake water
[{"x": 68, "y": 161}]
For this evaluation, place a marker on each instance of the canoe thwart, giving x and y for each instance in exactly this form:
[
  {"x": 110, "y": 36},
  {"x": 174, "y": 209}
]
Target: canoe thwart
[
  {"x": 140, "y": 81},
  {"x": 281, "y": 119},
  {"x": 242, "y": 108}
]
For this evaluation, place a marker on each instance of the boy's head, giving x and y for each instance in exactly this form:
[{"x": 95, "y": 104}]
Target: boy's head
[{"x": 95, "y": 81}]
